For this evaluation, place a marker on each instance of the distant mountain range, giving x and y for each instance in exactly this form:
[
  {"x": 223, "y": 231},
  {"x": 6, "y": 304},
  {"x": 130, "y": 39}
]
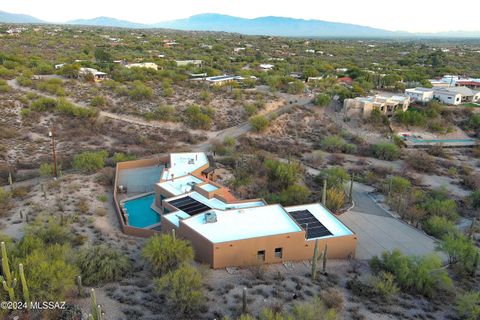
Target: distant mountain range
[
  {"x": 271, "y": 26},
  {"x": 6, "y": 17}
]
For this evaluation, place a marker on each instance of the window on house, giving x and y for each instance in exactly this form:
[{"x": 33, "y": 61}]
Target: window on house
[
  {"x": 261, "y": 255},
  {"x": 278, "y": 252}
]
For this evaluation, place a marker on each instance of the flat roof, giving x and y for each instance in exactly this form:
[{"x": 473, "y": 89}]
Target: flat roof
[
  {"x": 217, "y": 203},
  {"x": 324, "y": 216},
  {"x": 238, "y": 224},
  {"x": 182, "y": 164},
  {"x": 180, "y": 185},
  {"x": 174, "y": 217}
]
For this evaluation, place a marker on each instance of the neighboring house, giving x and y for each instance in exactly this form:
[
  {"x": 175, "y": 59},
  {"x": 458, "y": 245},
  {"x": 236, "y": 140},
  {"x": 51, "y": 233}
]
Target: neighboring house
[
  {"x": 221, "y": 80},
  {"x": 183, "y": 63},
  {"x": 237, "y": 50},
  {"x": 345, "y": 81},
  {"x": 227, "y": 232},
  {"x": 60, "y": 66},
  {"x": 341, "y": 70},
  {"x": 387, "y": 105},
  {"x": 97, "y": 75},
  {"x": 266, "y": 66},
  {"x": 472, "y": 84},
  {"x": 456, "y": 95},
  {"x": 421, "y": 95},
  {"x": 147, "y": 65},
  {"x": 314, "y": 79},
  {"x": 197, "y": 76}
]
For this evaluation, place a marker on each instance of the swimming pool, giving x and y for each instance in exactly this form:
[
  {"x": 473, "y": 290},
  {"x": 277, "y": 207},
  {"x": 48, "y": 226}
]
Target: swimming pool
[
  {"x": 441, "y": 140},
  {"x": 140, "y": 213}
]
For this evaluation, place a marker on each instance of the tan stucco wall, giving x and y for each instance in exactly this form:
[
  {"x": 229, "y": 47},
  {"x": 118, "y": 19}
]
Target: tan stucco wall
[{"x": 244, "y": 252}]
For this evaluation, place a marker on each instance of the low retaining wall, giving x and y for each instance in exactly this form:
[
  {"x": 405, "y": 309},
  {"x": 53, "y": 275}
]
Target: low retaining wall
[{"x": 129, "y": 230}]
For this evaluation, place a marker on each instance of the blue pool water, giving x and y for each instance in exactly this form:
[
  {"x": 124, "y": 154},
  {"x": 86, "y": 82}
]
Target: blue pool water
[
  {"x": 140, "y": 214},
  {"x": 441, "y": 140}
]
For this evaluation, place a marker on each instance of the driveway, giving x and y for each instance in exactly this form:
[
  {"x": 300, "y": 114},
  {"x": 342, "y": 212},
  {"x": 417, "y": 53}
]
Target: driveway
[{"x": 378, "y": 231}]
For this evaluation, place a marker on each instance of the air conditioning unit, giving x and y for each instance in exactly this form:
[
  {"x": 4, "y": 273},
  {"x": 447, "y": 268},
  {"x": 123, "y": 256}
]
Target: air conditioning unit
[{"x": 210, "y": 217}]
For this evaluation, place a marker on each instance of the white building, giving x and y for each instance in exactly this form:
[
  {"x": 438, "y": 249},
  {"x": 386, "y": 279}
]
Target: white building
[
  {"x": 147, "y": 65},
  {"x": 221, "y": 80},
  {"x": 97, "y": 75},
  {"x": 456, "y": 95},
  {"x": 183, "y": 63},
  {"x": 422, "y": 95},
  {"x": 266, "y": 66}
]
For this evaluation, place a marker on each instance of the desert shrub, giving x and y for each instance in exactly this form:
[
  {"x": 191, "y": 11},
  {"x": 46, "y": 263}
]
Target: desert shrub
[
  {"x": 322, "y": 100},
  {"x": 259, "y": 123},
  {"x": 49, "y": 230},
  {"x": 140, "y": 91},
  {"x": 462, "y": 252},
  {"x": 199, "y": 118},
  {"x": 101, "y": 264},
  {"x": 49, "y": 274},
  {"x": 280, "y": 174},
  {"x": 250, "y": 109},
  {"x": 468, "y": 305},
  {"x": 420, "y": 161},
  {"x": 46, "y": 170},
  {"x": 90, "y": 161},
  {"x": 52, "y": 86},
  {"x": 438, "y": 226},
  {"x": 5, "y": 200},
  {"x": 474, "y": 199},
  {"x": 69, "y": 109},
  {"x": 336, "y": 177},
  {"x": 335, "y": 199},
  {"x": 164, "y": 253},
  {"x": 386, "y": 151},
  {"x": 44, "y": 104},
  {"x": 162, "y": 112},
  {"x": 332, "y": 298},
  {"x": 121, "y": 157},
  {"x": 384, "y": 285},
  {"x": 182, "y": 288},
  {"x": 98, "y": 101},
  {"x": 293, "y": 195},
  {"x": 314, "y": 310},
  {"x": 423, "y": 275},
  {"x": 441, "y": 207},
  {"x": 333, "y": 143}
]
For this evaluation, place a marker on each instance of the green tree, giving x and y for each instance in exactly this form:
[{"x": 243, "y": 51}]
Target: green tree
[
  {"x": 90, "y": 161},
  {"x": 164, "y": 253},
  {"x": 101, "y": 264},
  {"x": 336, "y": 177},
  {"x": 438, "y": 226},
  {"x": 281, "y": 175},
  {"x": 322, "y": 100},
  {"x": 199, "y": 118},
  {"x": 461, "y": 252},
  {"x": 293, "y": 195},
  {"x": 183, "y": 289},
  {"x": 386, "y": 151}
]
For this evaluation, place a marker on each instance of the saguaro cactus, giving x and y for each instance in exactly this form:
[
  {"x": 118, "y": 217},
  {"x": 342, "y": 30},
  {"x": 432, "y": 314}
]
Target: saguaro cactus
[
  {"x": 81, "y": 292},
  {"x": 173, "y": 235},
  {"x": 7, "y": 280},
  {"x": 96, "y": 309},
  {"x": 324, "y": 255},
  {"x": 314, "y": 261},
  {"x": 350, "y": 193},
  {"x": 244, "y": 300},
  {"x": 23, "y": 281},
  {"x": 324, "y": 192}
]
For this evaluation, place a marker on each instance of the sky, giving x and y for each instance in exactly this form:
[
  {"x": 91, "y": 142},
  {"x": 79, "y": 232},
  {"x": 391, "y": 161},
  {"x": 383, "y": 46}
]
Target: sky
[{"x": 405, "y": 15}]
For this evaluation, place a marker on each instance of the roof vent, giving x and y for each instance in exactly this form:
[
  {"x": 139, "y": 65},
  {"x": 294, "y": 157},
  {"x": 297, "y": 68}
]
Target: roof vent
[{"x": 210, "y": 217}]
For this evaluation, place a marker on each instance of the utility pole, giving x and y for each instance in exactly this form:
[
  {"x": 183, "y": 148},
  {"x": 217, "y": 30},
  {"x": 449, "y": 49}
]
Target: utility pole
[{"x": 51, "y": 134}]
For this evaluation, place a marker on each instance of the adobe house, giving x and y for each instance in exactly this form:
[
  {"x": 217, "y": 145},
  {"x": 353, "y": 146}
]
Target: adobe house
[{"x": 225, "y": 231}]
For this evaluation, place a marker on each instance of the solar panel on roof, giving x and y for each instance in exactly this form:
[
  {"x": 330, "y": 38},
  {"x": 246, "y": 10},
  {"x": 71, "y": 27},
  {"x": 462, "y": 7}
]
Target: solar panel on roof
[
  {"x": 189, "y": 205},
  {"x": 313, "y": 227}
]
